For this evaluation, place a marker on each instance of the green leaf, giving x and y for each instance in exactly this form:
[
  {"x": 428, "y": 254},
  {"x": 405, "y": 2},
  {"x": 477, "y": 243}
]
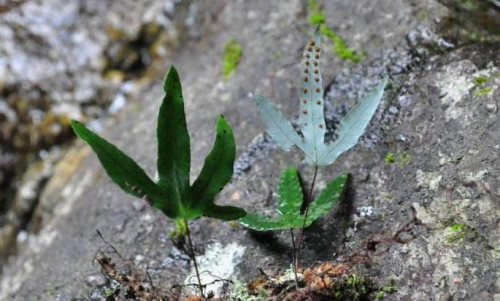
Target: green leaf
[
  {"x": 327, "y": 198},
  {"x": 123, "y": 170},
  {"x": 290, "y": 191},
  {"x": 291, "y": 197},
  {"x": 311, "y": 114},
  {"x": 174, "y": 155},
  {"x": 353, "y": 125},
  {"x": 173, "y": 193},
  {"x": 225, "y": 213},
  {"x": 217, "y": 169}
]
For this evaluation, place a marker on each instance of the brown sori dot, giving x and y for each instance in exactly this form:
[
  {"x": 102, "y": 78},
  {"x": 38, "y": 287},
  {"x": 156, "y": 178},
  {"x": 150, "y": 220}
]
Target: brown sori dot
[
  {"x": 315, "y": 63},
  {"x": 317, "y": 56},
  {"x": 309, "y": 48},
  {"x": 311, "y": 42},
  {"x": 318, "y": 102},
  {"x": 316, "y": 79},
  {"x": 305, "y": 78},
  {"x": 307, "y": 55},
  {"x": 305, "y": 112},
  {"x": 315, "y": 71},
  {"x": 305, "y": 90},
  {"x": 320, "y": 126},
  {"x": 317, "y": 49},
  {"x": 307, "y": 63},
  {"x": 306, "y": 70},
  {"x": 317, "y": 90},
  {"x": 304, "y": 100}
]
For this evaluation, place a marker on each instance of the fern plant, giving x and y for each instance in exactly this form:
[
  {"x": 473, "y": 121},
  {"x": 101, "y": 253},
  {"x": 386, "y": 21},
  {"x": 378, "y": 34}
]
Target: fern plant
[
  {"x": 173, "y": 194},
  {"x": 311, "y": 141},
  {"x": 291, "y": 199}
]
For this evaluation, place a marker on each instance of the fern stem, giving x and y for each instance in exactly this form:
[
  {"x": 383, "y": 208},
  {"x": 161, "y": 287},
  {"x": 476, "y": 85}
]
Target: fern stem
[
  {"x": 294, "y": 267},
  {"x": 193, "y": 257},
  {"x": 306, "y": 211}
]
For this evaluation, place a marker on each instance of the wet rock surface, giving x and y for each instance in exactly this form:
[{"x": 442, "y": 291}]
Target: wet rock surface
[{"x": 422, "y": 205}]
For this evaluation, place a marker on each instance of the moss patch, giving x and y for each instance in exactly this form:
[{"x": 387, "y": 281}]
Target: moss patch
[
  {"x": 231, "y": 57},
  {"x": 483, "y": 91},
  {"x": 481, "y": 79},
  {"x": 458, "y": 232},
  {"x": 401, "y": 158},
  {"x": 317, "y": 17}
]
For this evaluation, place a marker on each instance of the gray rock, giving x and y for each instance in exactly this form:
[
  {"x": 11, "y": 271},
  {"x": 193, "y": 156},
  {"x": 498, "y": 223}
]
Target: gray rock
[{"x": 428, "y": 221}]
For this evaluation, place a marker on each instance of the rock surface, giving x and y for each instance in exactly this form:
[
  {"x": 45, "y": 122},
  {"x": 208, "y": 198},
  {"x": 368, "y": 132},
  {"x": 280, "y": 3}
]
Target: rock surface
[{"x": 427, "y": 218}]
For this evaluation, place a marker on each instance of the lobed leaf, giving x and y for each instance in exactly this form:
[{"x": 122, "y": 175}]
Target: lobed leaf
[
  {"x": 291, "y": 197},
  {"x": 311, "y": 114},
  {"x": 173, "y": 193},
  {"x": 353, "y": 125}
]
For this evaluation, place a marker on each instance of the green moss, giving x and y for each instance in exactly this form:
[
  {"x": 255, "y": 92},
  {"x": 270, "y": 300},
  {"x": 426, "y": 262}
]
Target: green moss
[
  {"x": 389, "y": 288},
  {"x": 400, "y": 158},
  {"x": 317, "y": 17},
  {"x": 389, "y": 158},
  {"x": 231, "y": 57},
  {"x": 483, "y": 91},
  {"x": 496, "y": 74},
  {"x": 481, "y": 79},
  {"x": 458, "y": 232},
  {"x": 341, "y": 49}
]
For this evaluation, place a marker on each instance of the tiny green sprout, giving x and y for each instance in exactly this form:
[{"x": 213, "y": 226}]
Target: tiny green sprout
[
  {"x": 173, "y": 194},
  {"x": 231, "y": 57}
]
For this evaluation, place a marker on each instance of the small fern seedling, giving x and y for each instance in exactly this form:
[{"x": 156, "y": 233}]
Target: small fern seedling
[
  {"x": 312, "y": 125},
  {"x": 291, "y": 198},
  {"x": 172, "y": 193}
]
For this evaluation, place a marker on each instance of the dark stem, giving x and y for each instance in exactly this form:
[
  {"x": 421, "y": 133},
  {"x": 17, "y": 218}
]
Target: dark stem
[
  {"x": 309, "y": 201},
  {"x": 193, "y": 257},
  {"x": 293, "y": 260}
]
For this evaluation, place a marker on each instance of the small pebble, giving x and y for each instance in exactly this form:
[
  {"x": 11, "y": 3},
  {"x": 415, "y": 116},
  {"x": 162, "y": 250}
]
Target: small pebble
[
  {"x": 139, "y": 205},
  {"x": 491, "y": 108},
  {"x": 96, "y": 280}
]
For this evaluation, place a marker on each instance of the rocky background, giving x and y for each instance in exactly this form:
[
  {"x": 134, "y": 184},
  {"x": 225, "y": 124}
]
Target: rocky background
[{"x": 423, "y": 205}]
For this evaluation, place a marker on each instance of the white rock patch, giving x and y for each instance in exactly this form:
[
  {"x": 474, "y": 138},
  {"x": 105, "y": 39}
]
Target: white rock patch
[{"x": 219, "y": 262}]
